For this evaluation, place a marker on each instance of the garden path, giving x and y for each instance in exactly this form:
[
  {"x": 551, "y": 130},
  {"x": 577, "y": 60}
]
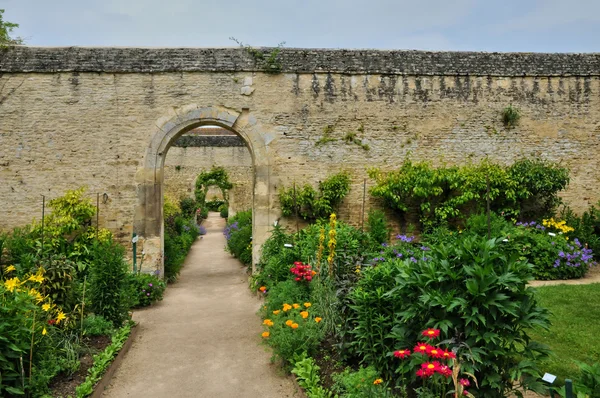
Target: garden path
[
  {"x": 593, "y": 276},
  {"x": 203, "y": 339}
]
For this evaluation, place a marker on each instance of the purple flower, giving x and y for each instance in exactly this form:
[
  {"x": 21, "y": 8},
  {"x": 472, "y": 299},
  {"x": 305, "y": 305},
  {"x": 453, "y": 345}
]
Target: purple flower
[
  {"x": 150, "y": 284},
  {"x": 414, "y": 260},
  {"x": 384, "y": 244},
  {"x": 147, "y": 294},
  {"x": 399, "y": 255},
  {"x": 405, "y": 238}
]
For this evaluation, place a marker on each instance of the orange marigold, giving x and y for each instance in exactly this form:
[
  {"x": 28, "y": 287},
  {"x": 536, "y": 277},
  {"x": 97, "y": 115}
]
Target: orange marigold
[
  {"x": 304, "y": 314},
  {"x": 294, "y": 326},
  {"x": 265, "y": 334},
  {"x": 276, "y": 312},
  {"x": 289, "y": 322},
  {"x": 296, "y": 306},
  {"x": 318, "y": 319},
  {"x": 378, "y": 381}
]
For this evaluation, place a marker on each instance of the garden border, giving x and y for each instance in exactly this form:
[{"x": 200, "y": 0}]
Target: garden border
[{"x": 104, "y": 382}]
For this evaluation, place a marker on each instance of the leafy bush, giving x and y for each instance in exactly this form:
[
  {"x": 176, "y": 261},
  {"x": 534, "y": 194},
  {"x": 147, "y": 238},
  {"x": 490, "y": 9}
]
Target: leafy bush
[
  {"x": 471, "y": 291},
  {"x": 309, "y": 204},
  {"x": 188, "y": 207},
  {"x": 307, "y": 374},
  {"x": 179, "y": 234},
  {"x": 528, "y": 188},
  {"x": 378, "y": 228},
  {"x": 285, "y": 292},
  {"x": 16, "y": 321},
  {"x": 107, "y": 282},
  {"x": 358, "y": 384},
  {"x": 97, "y": 325},
  {"x": 292, "y": 330},
  {"x": 144, "y": 289},
  {"x": 238, "y": 233},
  {"x": 215, "y": 204},
  {"x": 588, "y": 385},
  {"x": 224, "y": 211},
  {"x": 586, "y": 227}
]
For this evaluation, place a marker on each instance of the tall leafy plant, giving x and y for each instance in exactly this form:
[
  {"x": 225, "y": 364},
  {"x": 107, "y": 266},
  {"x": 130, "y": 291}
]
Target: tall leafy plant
[
  {"x": 471, "y": 291},
  {"x": 311, "y": 204},
  {"x": 108, "y": 282}
]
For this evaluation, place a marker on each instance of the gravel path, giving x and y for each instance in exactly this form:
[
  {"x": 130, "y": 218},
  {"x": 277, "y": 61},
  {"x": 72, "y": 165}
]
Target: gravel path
[{"x": 203, "y": 339}]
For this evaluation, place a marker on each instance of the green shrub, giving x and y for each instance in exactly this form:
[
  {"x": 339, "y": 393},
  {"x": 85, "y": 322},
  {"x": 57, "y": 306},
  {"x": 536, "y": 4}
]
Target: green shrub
[
  {"x": 188, "y": 207},
  {"x": 224, "y": 210},
  {"x": 359, "y": 384},
  {"x": 179, "y": 234},
  {"x": 144, "y": 289},
  {"x": 378, "y": 228},
  {"x": 285, "y": 292},
  {"x": 292, "y": 334},
  {"x": 238, "y": 233},
  {"x": 215, "y": 204},
  {"x": 470, "y": 290},
  {"x": 586, "y": 227},
  {"x": 528, "y": 188},
  {"x": 108, "y": 282},
  {"x": 16, "y": 320},
  {"x": 309, "y": 204},
  {"x": 97, "y": 325}
]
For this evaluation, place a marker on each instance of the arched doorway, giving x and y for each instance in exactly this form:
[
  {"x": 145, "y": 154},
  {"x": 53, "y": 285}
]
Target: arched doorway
[{"x": 148, "y": 223}]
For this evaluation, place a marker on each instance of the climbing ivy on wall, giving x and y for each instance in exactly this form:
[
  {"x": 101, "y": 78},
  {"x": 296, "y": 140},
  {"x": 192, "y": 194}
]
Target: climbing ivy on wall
[
  {"x": 216, "y": 176},
  {"x": 309, "y": 203}
]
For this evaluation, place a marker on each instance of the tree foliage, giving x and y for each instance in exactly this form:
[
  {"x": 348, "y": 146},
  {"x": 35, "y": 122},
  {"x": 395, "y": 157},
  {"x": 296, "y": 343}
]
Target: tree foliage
[{"x": 6, "y": 28}]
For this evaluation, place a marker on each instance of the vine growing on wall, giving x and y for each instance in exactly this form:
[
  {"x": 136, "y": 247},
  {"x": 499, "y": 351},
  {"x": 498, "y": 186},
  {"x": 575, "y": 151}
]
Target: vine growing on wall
[
  {"x": 309, "y": 203},
  {"x": 349, "y": 138},
  {"x": 270, "y": 61},
  {"x": 216, "y": 176}
]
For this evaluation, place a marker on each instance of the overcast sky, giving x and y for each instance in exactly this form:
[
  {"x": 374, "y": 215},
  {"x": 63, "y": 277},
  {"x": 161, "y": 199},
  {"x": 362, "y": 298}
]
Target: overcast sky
[{"x": 479, "y": 25}]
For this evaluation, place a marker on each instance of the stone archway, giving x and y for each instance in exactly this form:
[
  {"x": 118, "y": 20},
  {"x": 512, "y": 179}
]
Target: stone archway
[{"x": 148, "y": 223}]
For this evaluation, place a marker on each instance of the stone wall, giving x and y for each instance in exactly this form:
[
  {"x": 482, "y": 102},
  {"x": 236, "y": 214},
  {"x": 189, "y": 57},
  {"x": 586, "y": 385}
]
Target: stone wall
[{"x": 78, "y": 116}]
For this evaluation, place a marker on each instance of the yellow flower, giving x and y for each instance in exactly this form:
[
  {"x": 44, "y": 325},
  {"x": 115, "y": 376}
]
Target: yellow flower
[
  {"x": 44, "y": 332},
  {"x": 10, "y": 268},
  {"x": 276, "y": 312},
  {"x": 304, "y": 314},
  {"x": 378, "y": 381},
  {"x": 318, "y": 319},
  {"x": 296, "y": 306},
  {"x": 265, "y": 335},
  {"x": 294, "y": 326},
  {"x": 286, "y": 307},
  {"x": 46, "y": 307},
  {"x": 289, "y": 322},
  {"x": 307, "y": 305},
  {"x": 266, "y": 321},
  {"x": 12, "y": 284},
  {"x": 61, "y": 315}
]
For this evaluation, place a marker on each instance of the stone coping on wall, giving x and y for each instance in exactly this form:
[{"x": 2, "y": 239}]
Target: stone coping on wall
[
  {"x": 295, "y": 60},
  {"x": 186, "y": 141}
]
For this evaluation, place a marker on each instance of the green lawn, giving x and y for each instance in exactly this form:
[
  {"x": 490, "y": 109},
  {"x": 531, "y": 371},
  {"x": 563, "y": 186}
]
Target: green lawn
[{"x": 575, "y": 330}]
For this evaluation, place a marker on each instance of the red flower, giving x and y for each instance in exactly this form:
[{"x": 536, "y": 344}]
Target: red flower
[
  {"x": 422, "y": 373},
  {"x": 465, "y": 382},
  {"x": 423, "y": 348},
  {"x": 448, "y": 354},
  {"x": 430, "y": 367},
  {"x": 51, "y": 321},
  {"x": 435, "y": 352},
  {"x": 465, "y": 392},
  {"x": 402, "y": 353},
  {"x": 445, "y": 370},
  {"x": 431, "y": 333}
]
